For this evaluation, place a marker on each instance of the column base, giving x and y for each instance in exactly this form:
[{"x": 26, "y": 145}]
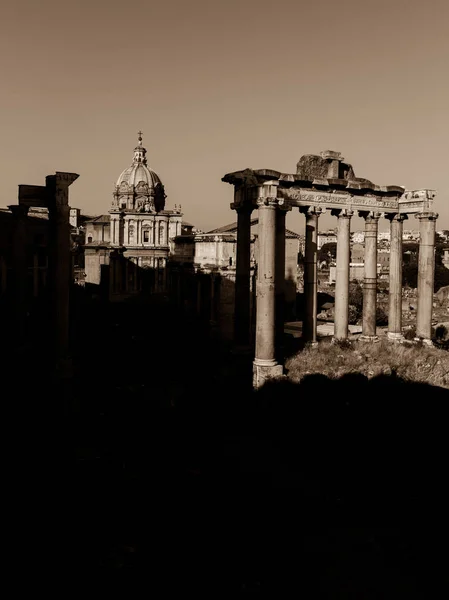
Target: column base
[
  {"x": 425, "y": 341},
  {"x": 395, "y": 337},
  {"x": 336, "y": 340},
  {"x": 264, "y": 370},
  {"x": 312, "y": 344},
  {"x": 369, "y": 338}
]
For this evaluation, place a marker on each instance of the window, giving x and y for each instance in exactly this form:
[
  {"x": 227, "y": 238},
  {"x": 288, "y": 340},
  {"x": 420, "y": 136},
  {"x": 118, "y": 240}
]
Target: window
[
  {"x": 146, "y": 235},
  {"x": 89, "y": 239}
]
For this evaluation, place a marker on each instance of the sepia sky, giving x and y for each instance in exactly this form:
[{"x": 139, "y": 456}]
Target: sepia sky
[{"x": 221, "y": 85}]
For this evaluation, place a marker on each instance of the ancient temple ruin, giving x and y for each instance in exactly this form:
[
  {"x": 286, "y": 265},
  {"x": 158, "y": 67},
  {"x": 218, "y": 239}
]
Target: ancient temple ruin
[{"x": 324, "y": 183}]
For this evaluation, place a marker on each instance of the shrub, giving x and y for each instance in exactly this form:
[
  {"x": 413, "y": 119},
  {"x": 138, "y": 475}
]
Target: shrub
[
  {"x": 353, "y": 314},
  {"x": 356, "y": 295},
  {"x": 410, "y": 334}
]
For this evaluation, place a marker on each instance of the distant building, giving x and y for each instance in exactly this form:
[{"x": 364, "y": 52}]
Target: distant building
[
  {"x": 358, "y": 237},
  {"x": 383, "y": 236},
  {"x": 411, "y": 235},
  {"x": 36, "y": 231},
  {"x": 212, "y": 257},
  {"x": 357, "y": 253},
  {"x": 445, "y": 258},
  {"x": 127, "y": 250},
  {"x": 326, "y": 237},
  {"x": 356, "y": 271}
]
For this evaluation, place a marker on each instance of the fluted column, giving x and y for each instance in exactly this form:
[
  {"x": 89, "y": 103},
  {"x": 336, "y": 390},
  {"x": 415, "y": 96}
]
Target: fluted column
[
  {"x": 242, "y": 270},
  {"x": 280, "y": 281},
  {"x": 426, "y": 274},
  {"x": 265, "y": 364},
  {"x": 370, "y": 280},
  {"x": 310, "y": 275},
  {"x": 342, "y": 275},
  {"x": 395, "y": 285}
]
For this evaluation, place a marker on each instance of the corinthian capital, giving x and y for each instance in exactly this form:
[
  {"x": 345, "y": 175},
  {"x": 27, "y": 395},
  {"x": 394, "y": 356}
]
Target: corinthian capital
[
  {"x": 342, "y": 213},
  {"x": 371, "y": 215},
  {"x": 426, "y": 216}
]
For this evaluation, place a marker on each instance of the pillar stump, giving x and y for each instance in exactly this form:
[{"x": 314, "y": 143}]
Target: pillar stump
[
  {"x": 20, "y": 270},
  {"x": 242, "y": 303},
  {"x": 60, "y": 264}
]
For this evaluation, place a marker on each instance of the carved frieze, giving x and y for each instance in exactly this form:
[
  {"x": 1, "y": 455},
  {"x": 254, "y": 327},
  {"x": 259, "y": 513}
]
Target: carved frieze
[{"x": 329, "y": 199}]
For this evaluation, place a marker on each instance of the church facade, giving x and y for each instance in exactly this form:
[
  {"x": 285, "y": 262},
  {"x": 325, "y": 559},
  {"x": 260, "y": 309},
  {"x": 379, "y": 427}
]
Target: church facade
[{"x": 127, "y": 250}]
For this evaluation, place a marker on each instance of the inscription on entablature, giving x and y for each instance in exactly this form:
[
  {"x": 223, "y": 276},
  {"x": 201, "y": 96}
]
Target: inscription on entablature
[
  {"x": 345, "y": 199},
  {"x": 416, "y": 206}
]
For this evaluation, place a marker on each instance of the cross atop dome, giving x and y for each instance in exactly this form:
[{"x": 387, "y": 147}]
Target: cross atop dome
[{"x": 139, "y": 133}]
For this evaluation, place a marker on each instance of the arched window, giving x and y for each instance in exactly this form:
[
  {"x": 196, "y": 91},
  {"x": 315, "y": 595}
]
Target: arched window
[{"x": 89, "y": 239}]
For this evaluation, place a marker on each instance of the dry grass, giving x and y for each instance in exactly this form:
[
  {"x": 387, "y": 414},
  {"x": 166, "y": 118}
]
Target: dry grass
[{"x": 408, "y": 361}]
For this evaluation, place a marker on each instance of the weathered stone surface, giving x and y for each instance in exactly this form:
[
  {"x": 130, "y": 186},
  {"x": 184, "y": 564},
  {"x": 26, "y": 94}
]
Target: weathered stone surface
[{"x": 261, "y": 374}]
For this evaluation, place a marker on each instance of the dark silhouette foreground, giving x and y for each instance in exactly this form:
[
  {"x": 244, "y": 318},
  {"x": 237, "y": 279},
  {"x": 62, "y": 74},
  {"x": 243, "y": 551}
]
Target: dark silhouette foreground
[{"x": 159, "y": 460}]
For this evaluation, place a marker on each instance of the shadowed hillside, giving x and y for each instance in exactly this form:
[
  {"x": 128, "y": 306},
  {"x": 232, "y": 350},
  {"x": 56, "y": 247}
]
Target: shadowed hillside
[{"x": 159, "y": 460}]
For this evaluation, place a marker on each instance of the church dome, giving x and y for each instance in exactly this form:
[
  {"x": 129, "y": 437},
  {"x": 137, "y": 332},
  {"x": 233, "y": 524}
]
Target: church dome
[
  {"x": 139, "y": 172},
  {"x": 136, "y": 173},
  {"x": 139, "y": 186}
]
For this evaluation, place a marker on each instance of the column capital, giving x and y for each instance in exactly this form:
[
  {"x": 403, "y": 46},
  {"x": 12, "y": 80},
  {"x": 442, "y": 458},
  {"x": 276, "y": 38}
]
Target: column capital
[
  {"x": 399, "y": 217},
  {"x": 312, "y": 210},
  {"x": 342, "y": 213},
  {"x": 267, "y": 202},
  {"x": 267, "y": 194},
  {"x": 426, "y": 216},
  {"x": 370, "y": 215}
]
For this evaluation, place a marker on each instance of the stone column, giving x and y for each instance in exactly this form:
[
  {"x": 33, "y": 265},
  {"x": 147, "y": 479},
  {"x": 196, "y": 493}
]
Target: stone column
[
  {"x": 164, "y": 275},
  {"x": 280, "y": 281},
  {"x": 125, "y": 232},
  {"x": 213, "y": 316},
  {"x": 265, "y": 364},
  {"x": 310, "y": 275},
  {"x": 426, "y": 274},
  {"x": 120, "y": 233},
  {"x": 395, "y": 293},
  {"x": 370, "y": 281},
  {"x": 113, "y": 230},
  {"x": 242, "y": 270},
  {"x": 4, "y": 274},
  {"x": 342, "y": 275},
  {"x": 35, "y": 275},
  {"x": 198, "y": 295},
  {"x": 60, "y": 259},
  {"x": 19, "y": 269}
]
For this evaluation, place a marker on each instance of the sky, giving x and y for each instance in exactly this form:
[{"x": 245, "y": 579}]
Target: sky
[{"x": 221, "y": 85}]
